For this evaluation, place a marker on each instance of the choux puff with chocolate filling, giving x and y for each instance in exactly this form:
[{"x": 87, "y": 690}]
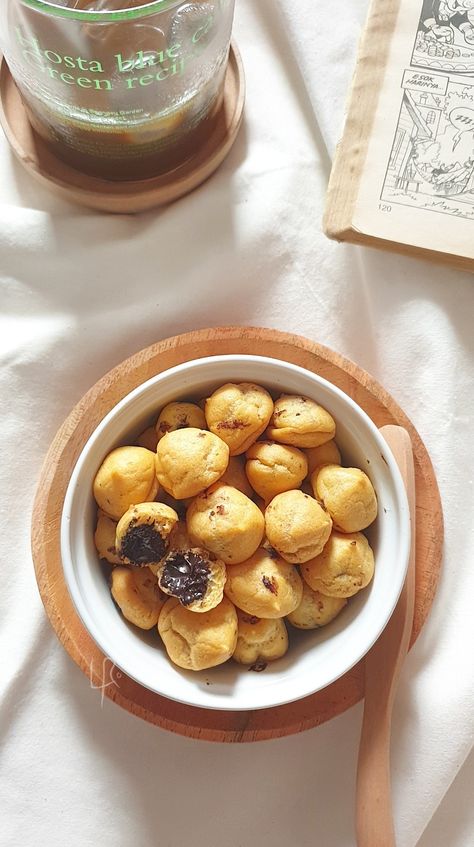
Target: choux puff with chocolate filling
[
  {"x": 260, "y": 640},
  {"x": 345, "y": 566},
  {"x": 239, "y": 414},
  {"x": 347, "y": 494},
  {"x": 104, "y": 538},
  {"x": 264, "y": 585},
  {"x": 193, "y": 577},
  {"x": 142, "y": 536},
  {"x": 126, "y": 476},
  {"x": 301, "y": 422},
  {"x": 179, "y": 416},
  {"x": 315, "y": 609},
  {"x": 226, "y": 522},
  {"x": 297, "y": 526},
  {"x": 190, "y": 460},
  {"x": 325, "y": 454},
  {"x": 137, "y": 595},
  {"x": 273, "y": 468},
  {"x": 196, "y": 642}
]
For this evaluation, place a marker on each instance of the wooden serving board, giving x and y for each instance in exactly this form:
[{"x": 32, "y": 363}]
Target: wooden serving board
[{"x": 186, "y": 720}]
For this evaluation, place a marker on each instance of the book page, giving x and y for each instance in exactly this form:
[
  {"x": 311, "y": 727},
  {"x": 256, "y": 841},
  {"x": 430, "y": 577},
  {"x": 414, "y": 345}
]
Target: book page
[{"x": 417, "y": 183}]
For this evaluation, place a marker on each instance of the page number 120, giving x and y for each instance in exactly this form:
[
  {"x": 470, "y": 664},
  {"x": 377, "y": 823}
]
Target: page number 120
[{"x": 385, "y": 207}]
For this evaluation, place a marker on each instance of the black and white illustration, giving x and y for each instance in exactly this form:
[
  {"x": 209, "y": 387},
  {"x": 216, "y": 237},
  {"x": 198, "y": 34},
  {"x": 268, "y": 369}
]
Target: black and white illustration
[
  {"x": 431, "y": 162},
  {"x": 445, "y": 37}
]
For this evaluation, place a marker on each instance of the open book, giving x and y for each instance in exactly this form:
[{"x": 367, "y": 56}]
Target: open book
[{"x": 403, "y": 175}]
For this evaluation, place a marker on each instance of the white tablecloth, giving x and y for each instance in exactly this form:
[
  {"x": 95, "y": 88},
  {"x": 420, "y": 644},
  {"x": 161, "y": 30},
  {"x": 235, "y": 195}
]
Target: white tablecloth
[{"x": 79, "y": 293}]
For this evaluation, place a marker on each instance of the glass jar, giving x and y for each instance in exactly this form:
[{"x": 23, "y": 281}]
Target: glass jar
[{"x": 120, "y": 89}]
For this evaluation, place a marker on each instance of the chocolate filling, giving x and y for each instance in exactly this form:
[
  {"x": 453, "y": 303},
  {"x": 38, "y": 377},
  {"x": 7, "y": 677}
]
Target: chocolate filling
[
  {"x": 143, "y": 545},
  {"x": 258, "y": 666},
  {"x": 185, "y": 576},
  {"x": 270, "y": 584}
]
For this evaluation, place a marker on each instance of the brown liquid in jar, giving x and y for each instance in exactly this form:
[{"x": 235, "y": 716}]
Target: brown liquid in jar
[{"x": 137, "y": 103}]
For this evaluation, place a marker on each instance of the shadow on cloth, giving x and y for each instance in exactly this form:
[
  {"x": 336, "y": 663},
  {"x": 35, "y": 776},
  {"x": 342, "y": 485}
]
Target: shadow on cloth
[{"x": 170, "y": 789}]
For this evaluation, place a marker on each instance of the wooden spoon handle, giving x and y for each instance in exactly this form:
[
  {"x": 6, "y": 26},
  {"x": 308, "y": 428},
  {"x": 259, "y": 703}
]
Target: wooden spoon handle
[{"x": 383, "y": 664}]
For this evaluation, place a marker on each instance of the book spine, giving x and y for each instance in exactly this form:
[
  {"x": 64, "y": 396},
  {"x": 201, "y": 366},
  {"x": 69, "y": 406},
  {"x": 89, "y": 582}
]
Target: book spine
[{"x": 364, "y": 95}]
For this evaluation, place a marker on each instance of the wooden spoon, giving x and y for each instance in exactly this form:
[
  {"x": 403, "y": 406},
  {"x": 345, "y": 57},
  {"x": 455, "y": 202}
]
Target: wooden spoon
[{"x": 383, "y": 664}]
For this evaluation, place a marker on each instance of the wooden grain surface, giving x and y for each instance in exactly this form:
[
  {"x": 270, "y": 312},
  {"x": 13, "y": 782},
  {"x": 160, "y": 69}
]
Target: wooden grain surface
[
  {"x": 62, "y": 456},
  {"x": 122, "y": 196}
]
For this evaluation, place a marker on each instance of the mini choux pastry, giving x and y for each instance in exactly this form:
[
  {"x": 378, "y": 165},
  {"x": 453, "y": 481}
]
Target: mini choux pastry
[
  {"x": 236, "y": 477},
  {"x": 345, "y": 566},
  {"x": 191, "y": 577},
  {"x": 260, "y": 641},
  {"x": 347, "y": 494},
  {"x": 190, "y": 460},
  {"x": 226, "y": 522},
  {"x": 273, "y": 468},
  {"x": 138, "y": 596},
  {"x": 301, "y": 422},
  {"x": 179, "y": 416},
  {"x": 148, "y": 439},
  {"x": 297, "y": 526},
  {"x": 126, "y": 476},
  {"x": 239, "y": 414},
  {"x": 104, "y": 538},
  {"x": 143, "y": 533},
  {"x": 325, "y": 454},
  {"x": 315, "y": 609},
  {"x": 264, "y": 585},
  {"x": 196, "y": 642}
]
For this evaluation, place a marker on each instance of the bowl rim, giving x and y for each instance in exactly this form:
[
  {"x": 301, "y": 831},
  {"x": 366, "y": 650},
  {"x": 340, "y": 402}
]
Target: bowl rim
[{"x": 82, "y": 609}]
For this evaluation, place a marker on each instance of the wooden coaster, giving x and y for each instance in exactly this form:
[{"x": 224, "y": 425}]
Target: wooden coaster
[
  {"x": 59, "y": 463},
  {"x": 131, "y": 196}
]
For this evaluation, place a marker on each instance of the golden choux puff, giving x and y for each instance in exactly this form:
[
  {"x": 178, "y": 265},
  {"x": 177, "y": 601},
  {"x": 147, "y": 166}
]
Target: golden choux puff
[
  {"x": 137, "y": 595},
  {"x": 236, "y": 477},
  {"x": 239, "y": 414},
  {"x": 195, "y": 579},
  {"x": 325, "y": 454},
  {"x": 297, "y": 526},
  {"x": 315, "y": 609},
  {"x": 345, "y": 566},
  {"x": 226, "y": 522},
  {"x": 273, "y": 468},
  {"x": 260, "y": 641},
  {"x": 196, "y": 642},
  {"x": 301, "y": 422},
  {"x": 142, "y": 536},
  {"x": 179, "y": 416},
  {"x": 126, "y": 476},
  {"x": 264, "y": 585},
  {"x": 347, "y": 494},
  {"x": 104, "y": 538},
  {"x": 190, "y": 460}
]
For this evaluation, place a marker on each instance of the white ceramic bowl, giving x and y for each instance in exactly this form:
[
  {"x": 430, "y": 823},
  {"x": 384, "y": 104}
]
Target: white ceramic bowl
[{"x": 315, "y": 658}]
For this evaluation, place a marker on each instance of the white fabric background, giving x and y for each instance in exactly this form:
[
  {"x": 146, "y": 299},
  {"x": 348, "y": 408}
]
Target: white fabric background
[{"x": 80, "y": 292}]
